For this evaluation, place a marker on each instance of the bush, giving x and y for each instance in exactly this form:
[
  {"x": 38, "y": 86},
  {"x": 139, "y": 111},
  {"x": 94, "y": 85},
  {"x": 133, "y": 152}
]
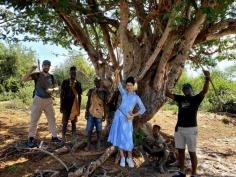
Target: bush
[
  {"x": 25, "y": 94},
  {"x": 6, "y": 96},
  {"x": 85, "y": 72},
  {"x": 14, "y": 62}
]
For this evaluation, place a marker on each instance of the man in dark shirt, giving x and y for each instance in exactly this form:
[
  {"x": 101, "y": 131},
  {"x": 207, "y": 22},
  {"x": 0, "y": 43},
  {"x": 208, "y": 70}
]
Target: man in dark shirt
[
  {"x": 186, "y": 127},
  {"x": 42, "y": 101},
  {"x": 70, "y": 102},
  {"x": 95, "y": 111}
]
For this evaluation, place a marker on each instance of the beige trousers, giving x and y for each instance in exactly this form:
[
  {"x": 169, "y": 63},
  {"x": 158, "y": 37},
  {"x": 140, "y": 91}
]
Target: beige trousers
[{"x": 42, "y": 105}]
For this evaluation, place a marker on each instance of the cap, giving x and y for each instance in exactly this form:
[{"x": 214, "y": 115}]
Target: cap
[
  {"x": 187, "y": 86},
  {"x": 46, "y": 62}
]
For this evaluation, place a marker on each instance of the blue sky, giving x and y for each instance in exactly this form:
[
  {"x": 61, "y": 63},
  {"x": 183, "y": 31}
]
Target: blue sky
[{"x": 48, "y": 51}]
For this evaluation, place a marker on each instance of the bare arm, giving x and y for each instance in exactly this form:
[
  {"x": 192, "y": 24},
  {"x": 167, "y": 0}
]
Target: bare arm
[
  {"x": 62, "y": 96},
  {"x": 88, "y": 104},
  {"x": 117, "y": 76},
  {"x": 206, "y": 84},
  {"x": 27, "y": 76},
  {"x": 146, "y": 145},
  {"x": 169, "y": 94}
]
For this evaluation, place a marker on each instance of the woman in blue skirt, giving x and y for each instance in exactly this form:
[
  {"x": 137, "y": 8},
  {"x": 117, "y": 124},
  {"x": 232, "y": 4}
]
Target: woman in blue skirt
[{"x": 121, "y": 133}]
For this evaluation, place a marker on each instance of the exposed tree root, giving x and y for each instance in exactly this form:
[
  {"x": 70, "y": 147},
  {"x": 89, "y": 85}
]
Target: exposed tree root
[{"x": 85, "y": 171}]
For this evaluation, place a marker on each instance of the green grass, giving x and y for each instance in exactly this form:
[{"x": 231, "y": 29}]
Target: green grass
[{"x": 15, "y": 168}]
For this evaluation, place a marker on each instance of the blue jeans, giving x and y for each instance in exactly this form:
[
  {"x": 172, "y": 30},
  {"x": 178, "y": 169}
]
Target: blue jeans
[{"x": 93, "y": 121}]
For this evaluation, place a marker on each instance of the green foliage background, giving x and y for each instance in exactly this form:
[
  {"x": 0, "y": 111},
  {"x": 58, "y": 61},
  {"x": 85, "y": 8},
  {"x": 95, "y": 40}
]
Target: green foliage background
[
  {"x": 225, "y": 85},
  {"x": 14, "y": 62}
]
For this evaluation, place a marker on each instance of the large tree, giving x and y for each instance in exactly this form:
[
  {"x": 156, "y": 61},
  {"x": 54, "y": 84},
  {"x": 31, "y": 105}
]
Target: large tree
[{"x": 150, "y": 39}]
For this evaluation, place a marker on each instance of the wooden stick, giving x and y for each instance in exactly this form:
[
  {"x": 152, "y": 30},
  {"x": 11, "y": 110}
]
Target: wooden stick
[
  {"x": 41, "y": 172},
  {"x": 213, "y": 86},
  {"x": 49, "y": 153}
]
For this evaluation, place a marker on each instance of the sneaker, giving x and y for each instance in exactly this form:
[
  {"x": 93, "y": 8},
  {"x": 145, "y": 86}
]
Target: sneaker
[
  {"x": 179, "y": 174},
  {"x": 130, "y": 162},
  {"x": 56, "y": 140},
  {"x": 122, "y": 162},
  {"x": 30, "y": 142}
]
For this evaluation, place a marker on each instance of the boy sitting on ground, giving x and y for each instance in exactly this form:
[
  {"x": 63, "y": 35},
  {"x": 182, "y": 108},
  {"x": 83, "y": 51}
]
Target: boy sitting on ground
[{"x": 156, "y": 147}]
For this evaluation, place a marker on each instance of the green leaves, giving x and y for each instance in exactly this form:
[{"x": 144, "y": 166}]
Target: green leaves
[
  {"x": 85, "y": 73},
  {"x": 211, "y": 52},
  {"x": 222, "y": 10},
  {"x": 14, "y": 62}
]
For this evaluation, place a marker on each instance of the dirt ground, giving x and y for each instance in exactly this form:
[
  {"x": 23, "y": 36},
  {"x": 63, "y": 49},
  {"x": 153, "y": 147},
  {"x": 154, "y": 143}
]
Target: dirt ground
[{"x": 216, "y": 145}]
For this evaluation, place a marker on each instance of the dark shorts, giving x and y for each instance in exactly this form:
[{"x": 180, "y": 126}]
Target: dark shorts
[
  {"x": 66, "y": 118},
  {"x": 93, "y": 121}
]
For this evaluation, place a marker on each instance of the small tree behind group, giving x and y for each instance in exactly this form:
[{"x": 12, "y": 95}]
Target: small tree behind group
[{"x": 85, "y": 73}]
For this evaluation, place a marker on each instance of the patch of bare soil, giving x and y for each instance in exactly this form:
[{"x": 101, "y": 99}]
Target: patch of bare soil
[{"x": 216, "y": 147}]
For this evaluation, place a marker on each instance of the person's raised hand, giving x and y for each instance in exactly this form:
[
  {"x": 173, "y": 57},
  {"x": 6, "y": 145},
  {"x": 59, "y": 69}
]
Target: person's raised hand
[
  {"x": 117, "y": 71},
  {"x": 206, "y": 73},
  {"x": 34, "y": 67}
]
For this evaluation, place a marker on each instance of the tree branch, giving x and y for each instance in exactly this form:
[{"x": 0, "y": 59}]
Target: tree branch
[
  {"x": 176, "y": 65},
  {"x": 157, "y": 49},
  {"x": 124, "y": 14},
  {"x": 96, "y": 37},
  {"x": 95, "y": 15},
  {"x": 108, "y": 43},
  {"x": 224, "y": 32},
  {"x": 138, "y": 5},
  {"x": 126, "y": 45},
  {"x": 217, "y": 30},
  {"x": 80, "y": 36},
  {"x": 161, "y": 69}
]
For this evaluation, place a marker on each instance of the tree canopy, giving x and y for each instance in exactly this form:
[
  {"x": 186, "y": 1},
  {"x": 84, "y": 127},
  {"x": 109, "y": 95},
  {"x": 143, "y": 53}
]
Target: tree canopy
[{"x": 95, "y": 25}]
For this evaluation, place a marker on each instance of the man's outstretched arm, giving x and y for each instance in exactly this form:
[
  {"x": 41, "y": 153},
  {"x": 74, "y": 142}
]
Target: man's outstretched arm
[
  {"x": 169, "y": 94},
  {"x": 27, "y": 76},
  {"x": 206, "y": 84}
]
